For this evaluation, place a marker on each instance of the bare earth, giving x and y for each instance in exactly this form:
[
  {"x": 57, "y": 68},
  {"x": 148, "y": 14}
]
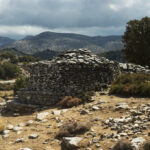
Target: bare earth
[{"x": 48, "y": 130}]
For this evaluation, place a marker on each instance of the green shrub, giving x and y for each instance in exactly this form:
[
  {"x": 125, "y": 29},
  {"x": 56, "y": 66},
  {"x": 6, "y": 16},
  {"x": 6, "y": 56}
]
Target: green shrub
[
  {"x": 9, "y": 55},
  {"x": 131, "y": 85},
  {"x": 20, "y": 83},
  {"x": 9, "y": 71},
  {"x": 28, "y": 58}
]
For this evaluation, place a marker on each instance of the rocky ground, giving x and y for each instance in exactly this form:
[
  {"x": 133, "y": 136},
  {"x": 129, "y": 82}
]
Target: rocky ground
[{"x": 112, "y": 118}]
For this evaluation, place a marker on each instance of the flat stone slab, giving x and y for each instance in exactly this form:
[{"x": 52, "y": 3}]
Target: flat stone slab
[
  {"x": 41, "y": 116},
  {"x": 71, "y": 142}
]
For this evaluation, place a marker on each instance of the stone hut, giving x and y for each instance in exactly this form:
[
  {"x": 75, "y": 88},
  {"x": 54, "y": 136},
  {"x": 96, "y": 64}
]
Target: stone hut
[{"x": 69, "y": 74}]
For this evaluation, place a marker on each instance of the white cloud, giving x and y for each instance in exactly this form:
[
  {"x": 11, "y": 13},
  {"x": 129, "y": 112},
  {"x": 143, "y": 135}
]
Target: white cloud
[
  {"x": 114, "y": 7},
  {"x": 21, "y": 30}
]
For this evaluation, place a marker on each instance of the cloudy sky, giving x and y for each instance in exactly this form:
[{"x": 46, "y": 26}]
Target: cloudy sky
[{"x": 19, "y": 18}]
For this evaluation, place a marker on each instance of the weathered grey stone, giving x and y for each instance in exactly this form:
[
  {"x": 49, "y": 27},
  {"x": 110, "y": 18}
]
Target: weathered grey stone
[
  {"x": 83, "y": 112},
  {"x": 16, "y": 129},
  {"x": 10, "y": 127},
  {"x": 29, "y": 122},
  {"x": 6, "y": 132},
  {"x": 19, "y": 140},
  {"x": 5, "y": 136},
  {"x": 41, "y": 116},
  {"x": 122, "y": 105},
  {"x": 56, "y": 112},
  {"x": 69, "y": 74},
  {"x": 33, "y": 136},
  {"x": 71, "y": 142},
  {"x": 137, "y": 141}
]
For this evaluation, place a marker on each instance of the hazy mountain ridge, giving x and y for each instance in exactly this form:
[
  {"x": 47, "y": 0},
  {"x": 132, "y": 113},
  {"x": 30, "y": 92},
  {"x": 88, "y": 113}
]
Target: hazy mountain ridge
[
  {"x": 64, "y": 41},
  {"x": 4, "y": 41}
]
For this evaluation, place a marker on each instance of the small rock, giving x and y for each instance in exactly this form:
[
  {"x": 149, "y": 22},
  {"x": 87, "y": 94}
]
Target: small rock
[
  {"x": 71, "y": 142},
  {"x": 95, "y": 108},
  {"x": 10, "y": 127},
  {"x": 137, "y": 141},
  {"x": 64, "y": 110},
  {"x": 98, "y": 145},
  {"x": 5, "y": 136},
  {"x": 29, "y": 122},
  {"x": 121, "y": 106},
  {"x": 21, "y": 124},
  {"x": 19, "y": 140},
  {"x": 56, "y": 112},
  {"x": 83, "y": 112},
  {"x": 15, "y": 129},
  {"x": 33, "y": 136},
  {"x": 6, "y": 132},
  {"x": 41, "y": 116}
]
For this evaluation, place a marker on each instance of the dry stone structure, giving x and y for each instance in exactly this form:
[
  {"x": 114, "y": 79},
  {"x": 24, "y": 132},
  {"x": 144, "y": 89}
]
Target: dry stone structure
[{"x": 69, "y": 74}]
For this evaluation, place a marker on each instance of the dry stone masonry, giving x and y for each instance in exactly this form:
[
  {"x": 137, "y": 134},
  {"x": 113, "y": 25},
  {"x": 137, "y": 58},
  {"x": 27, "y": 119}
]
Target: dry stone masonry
[{"x": 69, "y": 74}]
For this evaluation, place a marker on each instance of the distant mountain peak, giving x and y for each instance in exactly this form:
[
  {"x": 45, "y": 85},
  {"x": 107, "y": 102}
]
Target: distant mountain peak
[{"x": 65, "y": 41}]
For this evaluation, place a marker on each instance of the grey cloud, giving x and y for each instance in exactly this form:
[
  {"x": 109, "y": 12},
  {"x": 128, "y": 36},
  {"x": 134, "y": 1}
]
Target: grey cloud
[{"x": 108, "y": 16}]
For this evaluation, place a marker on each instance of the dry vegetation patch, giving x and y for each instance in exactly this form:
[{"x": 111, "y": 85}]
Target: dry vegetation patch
[
  {"x": 123, "y": 145},
  {"x": 69, "y": 101},
  {"x": 135, "y": 84},
  {"x": 73, "y": 128}
]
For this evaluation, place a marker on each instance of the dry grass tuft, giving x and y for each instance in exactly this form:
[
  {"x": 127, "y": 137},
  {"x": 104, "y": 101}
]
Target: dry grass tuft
[
  {"x": 73, "y": 129},
  {"x": 69, "y": 101},
  {"x": 123, "y": 145}
]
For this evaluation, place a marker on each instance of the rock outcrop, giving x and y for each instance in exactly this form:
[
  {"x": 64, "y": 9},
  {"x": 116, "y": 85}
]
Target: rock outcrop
[{"x": 69, "y": 74}]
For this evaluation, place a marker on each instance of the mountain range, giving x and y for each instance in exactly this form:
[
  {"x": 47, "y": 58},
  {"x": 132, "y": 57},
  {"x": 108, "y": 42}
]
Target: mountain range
[
  {"x": 63, "y": 41},
  {"x": 5, "y": 41}
]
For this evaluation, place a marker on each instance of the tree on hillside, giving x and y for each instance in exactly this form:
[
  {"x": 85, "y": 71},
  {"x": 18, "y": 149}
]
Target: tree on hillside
[{"x": 136, "y": 41}]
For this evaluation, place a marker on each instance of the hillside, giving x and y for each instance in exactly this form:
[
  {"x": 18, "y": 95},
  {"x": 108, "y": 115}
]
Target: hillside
[
  {"x": 47, "y": 54},
  {"x": 64, "y": 41},
  {"x": 13, "y": 51},
  {"x": 4, "y": 41},
  {"x": 113, "y": 55}
]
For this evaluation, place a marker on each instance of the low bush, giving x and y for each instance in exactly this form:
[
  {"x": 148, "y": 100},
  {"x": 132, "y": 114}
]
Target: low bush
[
  {"x": 2, "y": 127},
  {"x": 69, "y": 101},
  {"x": 28, "y": 58},
  {"x": 9, "y": 71},
  {"x": 73, "y": 128},
  {"x": 20, "y": 83},
  {"x": 131, "y": 85},
  {"x": 123, "y": 145}
]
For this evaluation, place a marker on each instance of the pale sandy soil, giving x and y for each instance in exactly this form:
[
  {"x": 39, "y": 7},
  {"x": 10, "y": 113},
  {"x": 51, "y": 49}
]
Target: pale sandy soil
[{"x": 48, "y": 130}]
